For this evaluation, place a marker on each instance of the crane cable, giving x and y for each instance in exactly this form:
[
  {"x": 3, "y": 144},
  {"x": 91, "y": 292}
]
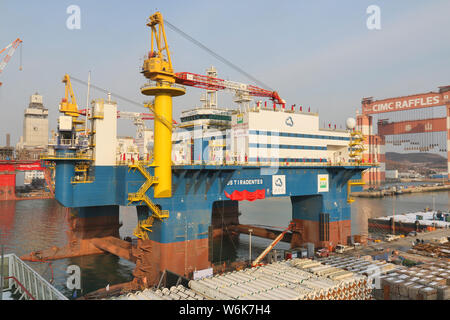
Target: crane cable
[
  {"x": 216, "y": 55},
  {"x": 149, "y": 105}
]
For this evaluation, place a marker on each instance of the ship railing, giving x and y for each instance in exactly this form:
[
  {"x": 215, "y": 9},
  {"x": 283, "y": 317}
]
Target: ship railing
[
  {"x": 78, "y": 179},
  {"x": 133, "y": 162},
  {"x": 67, "y": 142},
  {"x": 47, "y": 156},
  {"x": 151, "y": 84},
  {"x": 278, "y": 164},
  {"x": 21, "y": 280}
]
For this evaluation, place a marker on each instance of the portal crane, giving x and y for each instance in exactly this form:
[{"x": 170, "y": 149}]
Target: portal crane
[{"x": 12, "y": 48}]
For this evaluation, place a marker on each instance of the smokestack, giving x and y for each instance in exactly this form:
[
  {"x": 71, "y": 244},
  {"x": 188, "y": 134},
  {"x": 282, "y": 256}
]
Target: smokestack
[{"x": 8, "y": 139}]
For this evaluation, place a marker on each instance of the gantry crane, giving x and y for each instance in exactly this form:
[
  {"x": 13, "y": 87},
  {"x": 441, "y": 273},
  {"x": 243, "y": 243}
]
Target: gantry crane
[{"x": 12, "y": 48}]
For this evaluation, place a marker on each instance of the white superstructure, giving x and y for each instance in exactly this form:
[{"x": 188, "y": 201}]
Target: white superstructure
[{"x": 268, "y": 135}]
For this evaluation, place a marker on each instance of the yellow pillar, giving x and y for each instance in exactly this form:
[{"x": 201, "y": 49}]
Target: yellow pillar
[{"x": 163, "y": 146}]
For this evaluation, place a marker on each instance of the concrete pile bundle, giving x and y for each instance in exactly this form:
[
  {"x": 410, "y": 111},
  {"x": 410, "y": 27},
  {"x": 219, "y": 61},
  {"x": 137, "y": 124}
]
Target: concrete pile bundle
[
  {"x": 174, "y": 293},
  {"x": 430, "y": 281},
  {"x": 364, "y": 265},
  {"x": 297, "y": 279}
]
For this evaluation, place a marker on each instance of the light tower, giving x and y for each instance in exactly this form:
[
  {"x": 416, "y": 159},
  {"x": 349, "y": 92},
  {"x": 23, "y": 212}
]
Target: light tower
[{"x": 158, "y": 69}]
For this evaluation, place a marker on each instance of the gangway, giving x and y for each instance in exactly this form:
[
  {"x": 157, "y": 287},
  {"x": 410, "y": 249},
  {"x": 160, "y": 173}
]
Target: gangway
[{"x": 22, "y": 281}]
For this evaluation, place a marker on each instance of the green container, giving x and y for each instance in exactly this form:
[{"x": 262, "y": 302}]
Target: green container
[{"x": 447, "y": 218}]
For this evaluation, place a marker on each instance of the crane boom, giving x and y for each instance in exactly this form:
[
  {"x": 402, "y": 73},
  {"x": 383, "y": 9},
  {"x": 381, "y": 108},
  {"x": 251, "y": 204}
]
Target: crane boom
[
  {"x": 12, "y": 48},
  {"x": 270, "y": 247},
  {"x": 212, "y": 83}
]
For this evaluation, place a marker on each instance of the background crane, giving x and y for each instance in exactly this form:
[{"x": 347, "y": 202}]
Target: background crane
[{"x": 12, "y": 48}]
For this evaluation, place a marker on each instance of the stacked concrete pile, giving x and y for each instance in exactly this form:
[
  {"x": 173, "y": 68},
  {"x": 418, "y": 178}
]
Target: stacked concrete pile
[
  {"x": 430, "y": 281},
  {"x": 174, "y": 293},
  {"x": 365, "y": 265},
  {"x": 298, "y": 279}
]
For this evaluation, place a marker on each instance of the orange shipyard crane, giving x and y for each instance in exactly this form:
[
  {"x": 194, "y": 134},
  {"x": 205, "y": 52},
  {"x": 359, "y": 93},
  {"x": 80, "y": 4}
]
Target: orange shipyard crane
[
  {"x": 12, "y": 48},
  {"x": 271, "y": 246}
]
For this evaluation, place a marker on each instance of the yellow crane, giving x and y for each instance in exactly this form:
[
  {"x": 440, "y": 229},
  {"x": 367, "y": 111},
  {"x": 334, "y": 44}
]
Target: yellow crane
[
  {"x": 158, "y": 68},
  {"x": 70, "y": 107}
]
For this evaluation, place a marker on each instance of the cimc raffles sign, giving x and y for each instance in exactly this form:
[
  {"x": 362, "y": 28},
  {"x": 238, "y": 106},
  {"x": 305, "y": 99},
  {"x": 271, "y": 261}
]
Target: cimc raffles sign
[{"x": 405, "y": 103}]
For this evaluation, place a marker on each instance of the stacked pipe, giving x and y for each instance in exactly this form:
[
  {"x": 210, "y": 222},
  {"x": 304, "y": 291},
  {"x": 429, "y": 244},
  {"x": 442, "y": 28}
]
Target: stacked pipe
[
  {"x": 297, "y": 279},
  {"x": 363, "y": 266},
  {"x": 174, "y": 293}
]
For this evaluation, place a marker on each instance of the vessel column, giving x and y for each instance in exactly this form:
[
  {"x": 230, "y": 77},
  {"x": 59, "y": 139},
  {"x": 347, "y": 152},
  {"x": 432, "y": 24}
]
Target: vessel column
[
  {"x": 163, "y": 146},
  {"x": 162, "y": 149}
]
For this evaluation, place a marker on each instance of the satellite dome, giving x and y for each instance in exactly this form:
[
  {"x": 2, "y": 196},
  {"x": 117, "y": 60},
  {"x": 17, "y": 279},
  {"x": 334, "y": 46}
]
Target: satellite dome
[{"x": 351, "y": 123}]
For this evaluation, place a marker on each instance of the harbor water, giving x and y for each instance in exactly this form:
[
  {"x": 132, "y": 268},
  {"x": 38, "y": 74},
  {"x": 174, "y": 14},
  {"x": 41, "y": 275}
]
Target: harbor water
[{"x": 30, "y": 225}]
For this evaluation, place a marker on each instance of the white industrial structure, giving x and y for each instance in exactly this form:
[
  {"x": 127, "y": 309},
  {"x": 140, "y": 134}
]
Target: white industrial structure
[
  {"x": 127, "y": 150},
  {"x": 35, "y": 125},
  {"x": 104, "y": 114}
]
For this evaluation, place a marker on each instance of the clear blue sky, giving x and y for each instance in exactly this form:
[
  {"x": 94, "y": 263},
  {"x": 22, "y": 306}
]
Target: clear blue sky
[{"x": 318, "y": 54}]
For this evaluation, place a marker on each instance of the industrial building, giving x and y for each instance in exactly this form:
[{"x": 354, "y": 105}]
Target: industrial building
[{"x": 35, "y": 129}]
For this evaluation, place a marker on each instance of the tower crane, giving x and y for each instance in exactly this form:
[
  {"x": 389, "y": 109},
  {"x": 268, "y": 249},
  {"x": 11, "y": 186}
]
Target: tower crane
[{"x": 12, "y": 48}]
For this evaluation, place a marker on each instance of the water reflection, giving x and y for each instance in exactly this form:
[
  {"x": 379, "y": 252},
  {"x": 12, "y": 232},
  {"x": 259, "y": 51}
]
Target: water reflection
[{"x": 31, "y": 225}]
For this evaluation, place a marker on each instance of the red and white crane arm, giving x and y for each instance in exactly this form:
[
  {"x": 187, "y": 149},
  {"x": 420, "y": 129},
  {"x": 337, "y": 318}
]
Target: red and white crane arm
[
  {"x": 12, "y": 48},
  {"x": 212, "y": 83}
]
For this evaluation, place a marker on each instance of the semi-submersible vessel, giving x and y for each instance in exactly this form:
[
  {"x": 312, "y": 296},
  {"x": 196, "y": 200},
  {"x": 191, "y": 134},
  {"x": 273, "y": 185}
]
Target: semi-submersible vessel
[{"x": 198, "y": 172}]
